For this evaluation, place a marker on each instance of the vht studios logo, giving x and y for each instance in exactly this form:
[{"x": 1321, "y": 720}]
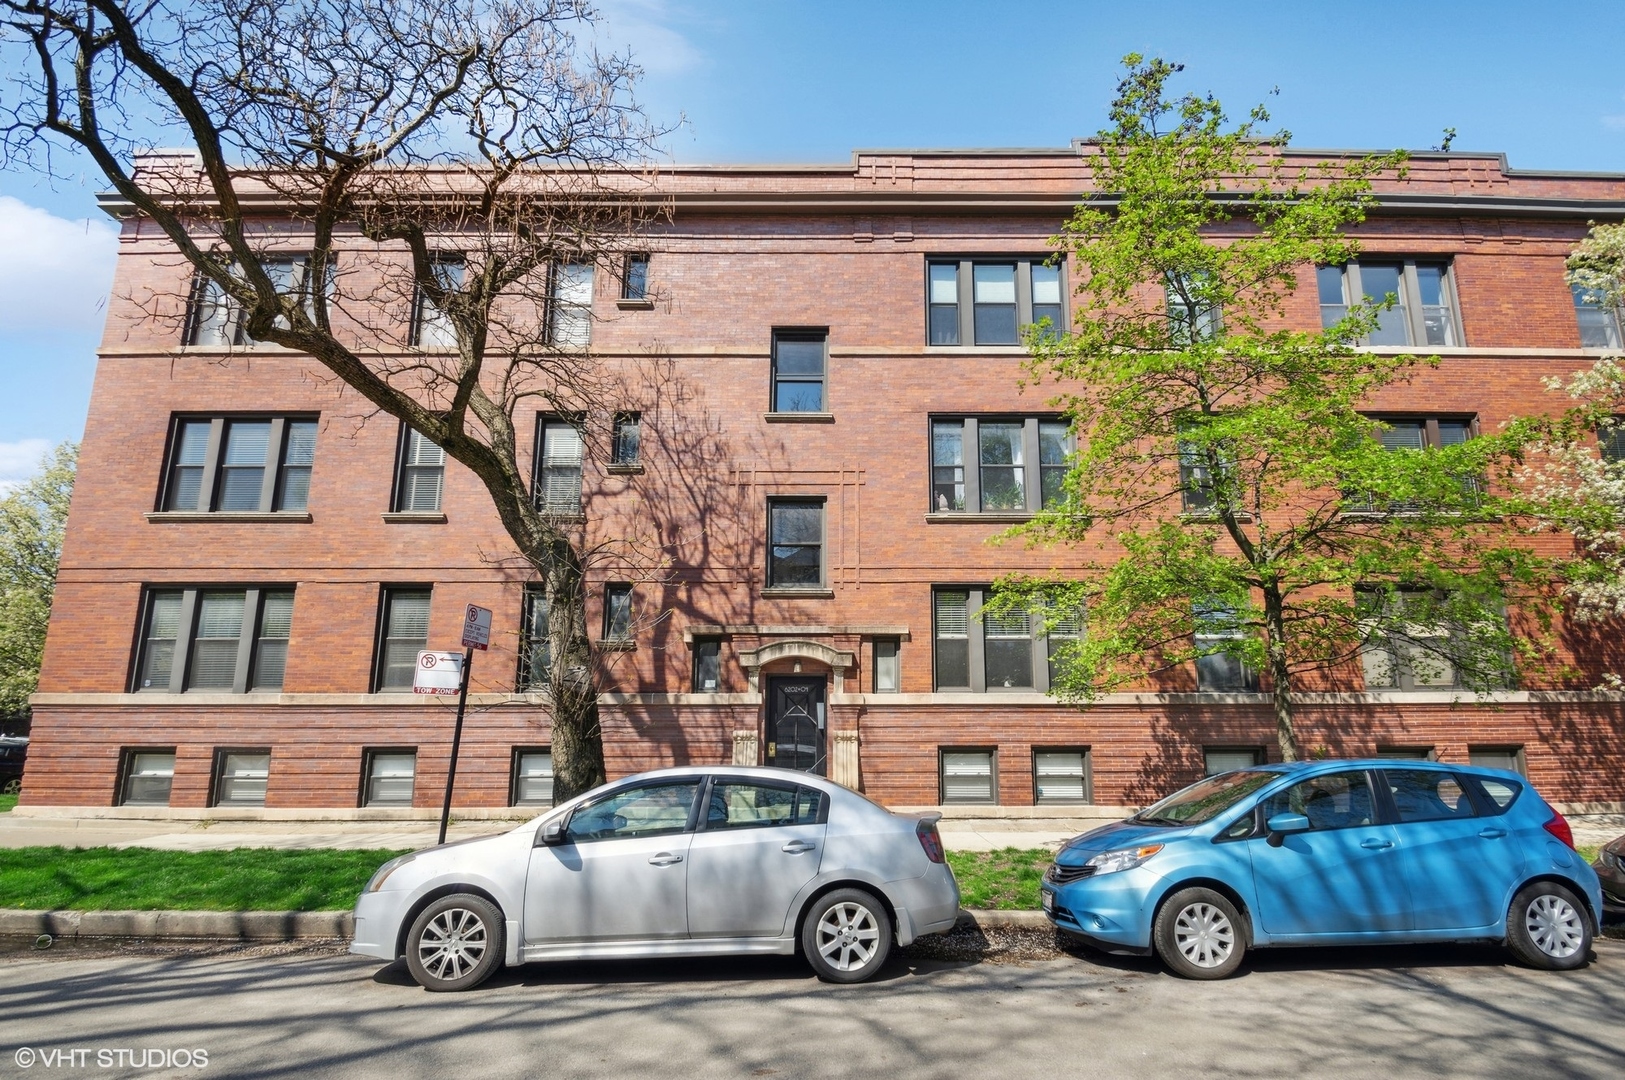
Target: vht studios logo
[{"x": 119, "y": 1057}]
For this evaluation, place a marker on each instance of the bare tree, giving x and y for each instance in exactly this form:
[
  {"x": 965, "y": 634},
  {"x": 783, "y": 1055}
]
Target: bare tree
[{"x": 450, "y": 163}]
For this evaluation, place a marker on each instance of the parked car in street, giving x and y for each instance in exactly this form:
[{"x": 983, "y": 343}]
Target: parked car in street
[
  {"x": 1330, "y": 853},
  {"x": 694, "y": 861},
  {"x": 1610, "y": 868},
  {"x": 13, "y": 754}
]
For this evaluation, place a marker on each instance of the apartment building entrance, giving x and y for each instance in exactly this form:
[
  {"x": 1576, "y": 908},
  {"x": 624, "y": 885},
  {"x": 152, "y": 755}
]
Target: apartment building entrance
[{"x": 795, "y": 723}]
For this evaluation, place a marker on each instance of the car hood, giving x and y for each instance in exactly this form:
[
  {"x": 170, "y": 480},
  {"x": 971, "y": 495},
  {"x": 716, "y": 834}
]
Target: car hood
[{"x": 1119, "y": 834}]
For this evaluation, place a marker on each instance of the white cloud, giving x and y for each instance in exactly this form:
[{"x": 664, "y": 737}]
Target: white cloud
[
  {"x": 644, "y": 27},
  {"x": 19, "y": 460},
  {"x": 56, "y": 273}
]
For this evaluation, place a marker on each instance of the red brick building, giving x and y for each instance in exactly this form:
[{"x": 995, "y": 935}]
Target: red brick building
[{"x": 820, "y": 355}]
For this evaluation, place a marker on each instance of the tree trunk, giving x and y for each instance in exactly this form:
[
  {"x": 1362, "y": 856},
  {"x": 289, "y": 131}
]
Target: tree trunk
[
  {"x": 1280, "y": 675},
  {"x": 578, "y": 742}
]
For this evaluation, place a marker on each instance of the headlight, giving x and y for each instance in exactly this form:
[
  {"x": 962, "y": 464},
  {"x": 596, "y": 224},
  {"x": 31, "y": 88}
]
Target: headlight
[
  {"x": 387, "y": 869},
  {"x": 1110, "y": 862}
]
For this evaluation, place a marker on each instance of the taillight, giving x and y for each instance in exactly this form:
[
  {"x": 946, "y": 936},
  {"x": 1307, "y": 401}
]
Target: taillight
[
  {"x": 1559, "y": 827},
  {"x": 929, "y": 840}
]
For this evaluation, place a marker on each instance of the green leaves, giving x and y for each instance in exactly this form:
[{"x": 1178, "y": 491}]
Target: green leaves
[{"x": 32, "y": 520}]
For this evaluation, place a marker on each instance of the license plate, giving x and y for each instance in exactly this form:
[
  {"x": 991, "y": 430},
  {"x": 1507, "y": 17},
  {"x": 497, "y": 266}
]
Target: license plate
[{"x": 1049, "y": 901}]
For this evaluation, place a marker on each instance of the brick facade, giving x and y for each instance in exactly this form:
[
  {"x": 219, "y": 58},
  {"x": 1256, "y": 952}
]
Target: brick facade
[{"x": 748, "y": 250}]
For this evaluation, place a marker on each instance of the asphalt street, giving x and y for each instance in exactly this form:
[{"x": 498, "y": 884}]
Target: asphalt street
[{"x": 1390, "y": 1012}]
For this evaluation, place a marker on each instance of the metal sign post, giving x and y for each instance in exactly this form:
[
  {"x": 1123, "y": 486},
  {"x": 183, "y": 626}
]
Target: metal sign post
[{"x": 476, "y": 635}]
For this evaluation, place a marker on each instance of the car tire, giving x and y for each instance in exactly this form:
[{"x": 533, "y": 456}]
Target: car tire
[
  {"x": 1548, "y": 927},
  {"x": 1199, "y": 934},
  {"x": 455, "y": 943},
  {"x": 13, "y": 787},
  {"x": 846, "y": 936}
]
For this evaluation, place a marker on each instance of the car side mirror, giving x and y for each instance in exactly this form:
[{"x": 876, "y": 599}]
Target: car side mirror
[
  {"x": 552, "y": 833},
  {"x": 1282, "y": 824}
]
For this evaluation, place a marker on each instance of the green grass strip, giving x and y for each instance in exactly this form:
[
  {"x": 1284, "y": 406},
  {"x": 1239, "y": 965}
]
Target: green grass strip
[
  {"x": 145, "y": 879},
  {"x": 1004, "y": 879},
  {"x": 7, "y": 802}
]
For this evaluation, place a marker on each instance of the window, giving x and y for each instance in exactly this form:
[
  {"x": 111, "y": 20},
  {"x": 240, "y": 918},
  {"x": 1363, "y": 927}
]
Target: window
[
  {"x": 1064, "y": 633},
  {"x": 635, "y": 278},
  {"x": 240, "y": 777},
  {"x": 1223, "y": 759},
  {"x": 258, "y": 465},
  {"x": 655, "y": 809},
  {"x": 1335, "y": 801},
  {"x": 558, "y": 478},
  {"x": 1427, "y": 795},
  {"x": 570, "y": 320},
  {"x": 1061, "y": 776},
  {"x": 1020, "y": 464},
  {"x": 1196, "y": 472},
  {"x": 795, "y": 529},
  {"x": 1509, "y": 758},
  {"x": 216, "y": 320},
  {"x": 618, "y": 611},
  {"x": 743, "y": 804},
  {"x": 389, "y": 777},
  {"x": 1599, "y": 324},
  {"x": 993, "y": 652},
  {"x": 221, "y": 640},
  {"x": 431, "y": 328},
  {"x": 535, "y": 648},
  {"x": 1424, "y": 313},
  {"x": 968, "y": 776},
  {"x": 1414, "y": 433},
  {"x": 1405, "y": 753},
  {"x": 403, "y": 633},
  {"x": 886, "y": 665},
  {"x": 1611, "y": 441},
  {"x": 1190, "y": 318},
  {"x": 707, "y": 665},
  {"x": 798, "y": 370},
  {"x": 1218, "y": 623},
  {"x": 532, "y": 777},
  {"x": 1411, "y": 642},
  {"x": 988, "y": 303},
  {"x": 148, "y": 775},
  {"x": 627, "y": 441},
  {"x": 421, "y": 474}
]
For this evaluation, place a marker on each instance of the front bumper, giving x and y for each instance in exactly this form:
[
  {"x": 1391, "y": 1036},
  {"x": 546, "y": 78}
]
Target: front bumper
[
  {"x": 378, "y": 923},
  {"x": 1612, "y": 880},
  {"x": 1110, "y": 912}
]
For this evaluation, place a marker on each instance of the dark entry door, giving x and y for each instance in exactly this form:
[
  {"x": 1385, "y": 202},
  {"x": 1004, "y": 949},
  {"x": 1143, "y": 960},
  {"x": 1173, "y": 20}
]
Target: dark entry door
[{"x": 795, "y": 724}]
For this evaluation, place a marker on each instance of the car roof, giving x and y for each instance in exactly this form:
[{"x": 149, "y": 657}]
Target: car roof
[
  {"x": 765, "y": 772},
  {"x": 1326, "y": 764}
]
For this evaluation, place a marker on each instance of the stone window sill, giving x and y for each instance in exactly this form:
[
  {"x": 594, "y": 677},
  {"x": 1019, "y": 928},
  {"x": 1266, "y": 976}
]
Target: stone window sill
[
  {"x": 180, "y": 516},
  {"x": 798, "y": 418},
  {"x": 565, "y": 519},
  {"x": 414, "y": 517},
  {"x": 787, "y": 593},
  {"x": 631, "y": 468},
  {"x": 617, "y": 645},
  {"x": 627, "y": 304},
  {"x": 968, "y": 517}
]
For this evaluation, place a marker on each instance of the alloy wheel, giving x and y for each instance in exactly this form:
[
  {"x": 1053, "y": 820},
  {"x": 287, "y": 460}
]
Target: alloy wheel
[
  {"x": 1204, "y": 935},
  {"x": 452, "y": 943},
  {"x": 848, "y": 936},
  {"x": 1554, "y": 926}
]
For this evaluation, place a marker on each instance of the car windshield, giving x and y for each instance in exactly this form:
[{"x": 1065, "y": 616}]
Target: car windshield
[{"x": 1205, "y": 799}]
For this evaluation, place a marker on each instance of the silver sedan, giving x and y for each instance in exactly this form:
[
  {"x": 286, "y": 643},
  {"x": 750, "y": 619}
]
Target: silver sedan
[{"x": 696, "y": 861}]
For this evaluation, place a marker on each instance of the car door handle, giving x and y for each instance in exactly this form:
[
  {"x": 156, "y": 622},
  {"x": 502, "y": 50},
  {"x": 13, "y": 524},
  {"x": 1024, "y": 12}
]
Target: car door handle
[
  {"x": 1374, "y": 844},
  {"x": 796, "y": 847},
  {"x": 665, "y": 858},
  {"x": 1492, "y": 833}
]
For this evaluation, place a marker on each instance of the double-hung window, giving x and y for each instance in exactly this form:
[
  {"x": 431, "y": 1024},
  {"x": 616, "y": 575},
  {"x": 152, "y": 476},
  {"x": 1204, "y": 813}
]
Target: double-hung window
[
  {"x": 239, "y": 464},
  {"x": 570, "y": 313},
  {"x": 403, "y": 632},
  {"x": 216, "y": 320},
  {"x": 1218, "y": 624},
  {"x": 207, "y": 639},
  {"x": 420, "y": 474},
  {"x": 1402, "y": 433},
  {"x": 532, "y": 777},
  {"x": 1424, "y": 312},
  {"x": 618, "y": 612},
  {"x": 1411, "y": 640},
  {"x": 1061, "y": 776},
  {"x": 1018, "y": 466},
  {"x": 800, "y": 361},
  {"x": 1197, "y": 472},
  {"x": 990, "y": 301},
  {"x": 431, "y": 328},
  {"x": 978, "y": 652},
  {"x": 1191, "y": 316},
  {"x": 558, "y": 467},
  {"x": 1611, "y": 441},
  {"x": 795, "y": 544},
  {"x": 626, "y": 441},
  {"x": 1599, "y": 323},
  {"x": 241, "y": 777},
  {"x": 147, "y": 776},
  {"x": 535, "y": 646},
  {"x": 635, "y": 278}
]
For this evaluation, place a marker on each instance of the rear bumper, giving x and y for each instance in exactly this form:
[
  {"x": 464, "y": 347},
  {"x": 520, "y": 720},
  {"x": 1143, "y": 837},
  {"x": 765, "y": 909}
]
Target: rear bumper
[{"x": 925, "y": 905}]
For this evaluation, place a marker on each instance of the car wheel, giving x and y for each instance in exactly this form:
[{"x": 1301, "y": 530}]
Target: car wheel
[
  {"x": 1198, "y": 934},
  {"x": 846, "y": 936},
  {"x": 1547, "y": 927},
  {"x": 13, "y": 787},
  {"x": 455, "y": 943}
]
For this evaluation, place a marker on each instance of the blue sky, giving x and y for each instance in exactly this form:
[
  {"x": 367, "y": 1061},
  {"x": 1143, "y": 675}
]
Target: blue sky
[{"x": 776, "y": 81}]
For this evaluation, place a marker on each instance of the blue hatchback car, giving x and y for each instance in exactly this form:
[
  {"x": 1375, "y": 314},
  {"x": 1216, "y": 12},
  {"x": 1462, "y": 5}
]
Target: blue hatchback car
[{"x": 1330, "y": 853}]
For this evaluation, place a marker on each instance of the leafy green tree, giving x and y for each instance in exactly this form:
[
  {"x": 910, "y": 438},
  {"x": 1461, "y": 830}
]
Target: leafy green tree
[
  {"x": 1231, "y": 496},
  {"x": 32, "y": 519}
]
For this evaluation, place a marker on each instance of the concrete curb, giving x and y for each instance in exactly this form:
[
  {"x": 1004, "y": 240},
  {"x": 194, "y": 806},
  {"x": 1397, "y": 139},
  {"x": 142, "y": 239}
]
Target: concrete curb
[
  {"x": 984, "y": 920},
  {"x": 195, "y": 925}
]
